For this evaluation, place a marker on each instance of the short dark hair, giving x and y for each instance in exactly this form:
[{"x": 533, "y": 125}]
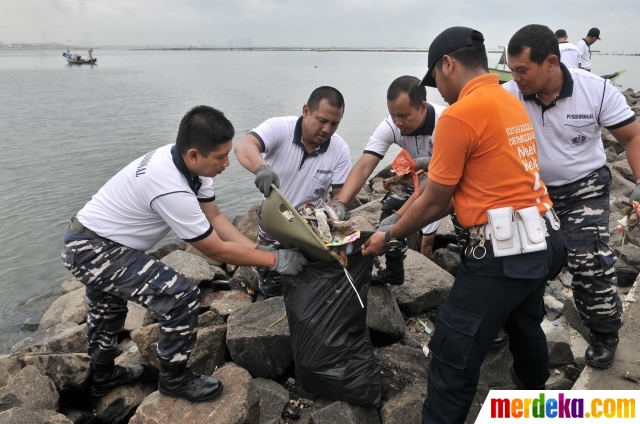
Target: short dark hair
[
  {"x": 561, "y": 33},
  {"x": 205, "y": 129},
  {"x": 411, "y": 85},
  {"x": 471, "y": 57},
  {"x": 330, "y": 94},
  {"x": 539, "y": 38}
]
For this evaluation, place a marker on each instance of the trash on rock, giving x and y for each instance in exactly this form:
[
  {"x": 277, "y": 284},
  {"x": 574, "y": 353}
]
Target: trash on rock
[
  {"x": 628, "y": 225},
  {"x": 406, "y": 179}
]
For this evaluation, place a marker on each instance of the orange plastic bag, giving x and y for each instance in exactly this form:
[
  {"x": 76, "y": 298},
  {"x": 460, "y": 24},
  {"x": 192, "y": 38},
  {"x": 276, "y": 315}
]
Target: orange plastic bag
[{"x": 404, "y": 164}]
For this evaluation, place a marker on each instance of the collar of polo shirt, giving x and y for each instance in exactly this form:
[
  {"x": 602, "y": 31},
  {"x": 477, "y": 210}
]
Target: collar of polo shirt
[
  {"x": 194, "y": 183},
  {"x": 565, "y": 91}
]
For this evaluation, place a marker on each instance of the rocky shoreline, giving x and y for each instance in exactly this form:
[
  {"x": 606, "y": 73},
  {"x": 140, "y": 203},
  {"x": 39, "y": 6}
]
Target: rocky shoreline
[{"x": 245, "y": 342}]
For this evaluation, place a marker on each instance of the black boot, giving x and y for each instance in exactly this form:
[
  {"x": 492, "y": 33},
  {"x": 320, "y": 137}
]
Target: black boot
[
  {"x": 109, "y": 376},
  {"x": 520, "y": 385},
  {"x": 602, "y": 349},
  {"x": 179, "y": 381},
  {"x": 501, "y": 340},
  {"x": 394, "y": 271}
]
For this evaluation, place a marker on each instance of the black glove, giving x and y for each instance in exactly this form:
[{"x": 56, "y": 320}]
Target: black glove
[
  {"x": 265, "y": 176},
  {"x": 289, "y": 261}
]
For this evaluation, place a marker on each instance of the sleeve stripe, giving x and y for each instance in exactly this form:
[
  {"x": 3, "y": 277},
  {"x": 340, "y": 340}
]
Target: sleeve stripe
[
  {"x": 203, "y": 236},
  {"x": 255, "y": 134},
  {"x": 374, "y": 154},
  {"x": 337, "y": 185},
  {"x": 207, "y": 200},
  {"x": 622, "y": 124}
]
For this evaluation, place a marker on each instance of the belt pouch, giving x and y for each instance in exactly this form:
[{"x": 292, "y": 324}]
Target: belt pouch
[
  {"x": 504, "y": 234},
  {"x": 532, "y": 229}
]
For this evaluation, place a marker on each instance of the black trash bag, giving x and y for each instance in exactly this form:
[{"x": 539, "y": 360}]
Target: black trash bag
[{"x": 331, "y": 346}]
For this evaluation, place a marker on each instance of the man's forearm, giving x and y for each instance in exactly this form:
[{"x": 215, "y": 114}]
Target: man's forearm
[
  {"x": 227, "y": 232},
  {"x": 357, "y": 177}
]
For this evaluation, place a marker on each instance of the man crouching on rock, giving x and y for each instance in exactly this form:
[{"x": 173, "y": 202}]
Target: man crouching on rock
[{"x": 170, "y": 188}]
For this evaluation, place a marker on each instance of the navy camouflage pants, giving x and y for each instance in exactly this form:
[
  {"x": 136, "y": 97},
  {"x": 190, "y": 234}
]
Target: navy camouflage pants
[
  {"x": 114, "y": 274},
  {"x": 583, "y": 209},
  {"x": 269, "y": 281}
]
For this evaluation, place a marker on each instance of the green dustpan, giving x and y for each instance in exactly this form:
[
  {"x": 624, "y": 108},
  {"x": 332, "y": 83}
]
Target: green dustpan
[{"x": 291, "y": 231}]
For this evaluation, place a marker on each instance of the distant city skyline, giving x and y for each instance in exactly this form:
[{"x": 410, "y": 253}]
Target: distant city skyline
[{"x": 306, "y": 23}]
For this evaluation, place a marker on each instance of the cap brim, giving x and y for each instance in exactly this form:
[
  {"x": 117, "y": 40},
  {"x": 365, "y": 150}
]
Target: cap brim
[{"x": 428, "y": 79}]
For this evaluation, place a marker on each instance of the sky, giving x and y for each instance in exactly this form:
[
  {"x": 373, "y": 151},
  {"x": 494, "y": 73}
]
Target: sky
[{"x": 310, "y": 23}]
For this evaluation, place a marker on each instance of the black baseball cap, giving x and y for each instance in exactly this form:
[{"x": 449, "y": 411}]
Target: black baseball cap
[
  {"x": 594, "y": 32},
  {"x": 447, "y": 41}
]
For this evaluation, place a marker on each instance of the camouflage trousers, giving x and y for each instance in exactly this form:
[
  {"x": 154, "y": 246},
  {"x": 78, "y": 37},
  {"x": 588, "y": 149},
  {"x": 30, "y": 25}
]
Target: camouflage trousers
[
  {"x": 114, "y": 274},
  {"x": 269, "y": 281},
  {"x": 583, "y": 209}
]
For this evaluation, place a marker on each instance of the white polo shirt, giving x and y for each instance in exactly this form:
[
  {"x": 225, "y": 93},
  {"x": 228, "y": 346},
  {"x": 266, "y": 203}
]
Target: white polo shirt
[
  {"x": 418, "y": 144},
  {"x": 568, "y": 130},
  {"x": 304, "y": 177},
  {"x": 585, "y": 54},
  {"x": 569, "y": 54},
  {"x": 152, "y": 195}
]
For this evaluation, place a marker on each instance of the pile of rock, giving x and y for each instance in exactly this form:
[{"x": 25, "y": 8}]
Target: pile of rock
[{"x": 245, "y": 342}]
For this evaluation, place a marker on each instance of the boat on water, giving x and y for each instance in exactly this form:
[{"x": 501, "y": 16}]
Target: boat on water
[
  {"x": 76, "y": 59},
  {"x": 504, "y": 73}
]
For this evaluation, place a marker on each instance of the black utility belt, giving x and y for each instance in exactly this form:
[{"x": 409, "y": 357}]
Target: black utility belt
[{"x": 77, "y": 225}]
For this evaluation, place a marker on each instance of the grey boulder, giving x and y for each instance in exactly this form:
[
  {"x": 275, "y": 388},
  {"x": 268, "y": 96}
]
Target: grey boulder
[
  {"x": 384, "y": 319},
  {"x": 405, "y": 407},
  {"x": 191, "y": 266},
  {"x": 273, "y": 398},
  {"x": 65, "y": 370},
  {"x": 120, "y": 402},
  {"x": 62, "y": 338},
  {"x": 345, "y": 413},
  {"x": 70, "y": 307},
  {"x": 30, "y": 390},
  {"x": 401, "y": 366}
]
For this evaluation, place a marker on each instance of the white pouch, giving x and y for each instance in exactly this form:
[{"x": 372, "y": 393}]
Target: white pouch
[
  {"x": 504, "y": 234},
  {"x": 532, "y": 229}
]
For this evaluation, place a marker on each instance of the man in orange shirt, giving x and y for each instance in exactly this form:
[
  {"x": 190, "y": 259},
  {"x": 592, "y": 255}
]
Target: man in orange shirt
[{"x": 486, "y": 164}]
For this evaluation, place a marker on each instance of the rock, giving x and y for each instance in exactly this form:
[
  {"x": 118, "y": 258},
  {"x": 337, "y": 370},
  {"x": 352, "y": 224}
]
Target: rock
[
  {"x": 30, "y": 324},
  {"x": 378, "y": 185},
  {"x": 446, "y": 229},
  {"x": 553, "y": 307},
  {"x": 62, "y": 338},
  {"x": 273, "y": 398},
  {"x": 146, "y": 338},
  {"x": 210, "y": 319},
  {"x": 578, "y": 348},
  {"x": 165, "y": 250},
  {"x": 248, "y": 225},
  {"x": 120, "y": 402},
  {"x": 9, "y": 366},
  {"x": 558, "y": 343},
  {"x": 405, "y": 407},
  {"x": 26, "y": 416},
  {"x": 209, "y": 350},
  {"x": 263, "y": 350},
  {"x": 30, "y": 390},
  {"x": 559, "y": 384},
  {"x": 625, "y": 273},
  {"x": 239, "y": 403},
  {"x": 226, "y": 302},
  {"x": 65, "y": 370},
  {"x": 190, "y": 249},
  {"x": 408, "y": 340},
  {"x": 370, "y": 211},
  {"x": 401, "y": 366},
  {"x": 572, "y": 316},
  {"x": 620, "y": 187},
  {"x": 495, "y": 369},
  {"x": 80, "y": 416},
  {"x": 384, "y": 319},
  {"x": 231, "y": 269},
  {"x": 609, "y": 140},
  {"x": 130, "y": 354},
  {"x": 611, "y": 155},
  {"x": 624, "y": 169},
  {"x": 218, "y": 274},
  {"x": 70, "y": 285},
  {"x": 70, "y": 307},
  {"x": 426, "y": 285},
  {"x": 557, "y": 288},
  {"x": 345, "y": 413},
  {"x": 363, "y": 196},
  {"x": 206, "y": 297},
  {"x": 191, "y": 266},
  {"x": 362, "y": 223},
  {"x": 248, "y": 275},
  {"x": 447, "y": 260},
  {"x": 138, "y": 317}
]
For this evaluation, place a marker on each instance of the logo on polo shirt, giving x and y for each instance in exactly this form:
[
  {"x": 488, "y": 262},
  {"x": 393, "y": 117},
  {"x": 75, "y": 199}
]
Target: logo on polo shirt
[
  {"x": 576, "y": 141},
  {"x": 580, "y": 116},
  {"x": 319, "y": 191}
]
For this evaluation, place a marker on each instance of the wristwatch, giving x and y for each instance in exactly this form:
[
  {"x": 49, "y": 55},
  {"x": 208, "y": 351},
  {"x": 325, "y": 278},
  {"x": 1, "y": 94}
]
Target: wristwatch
[{"x": 392, "y": 242}]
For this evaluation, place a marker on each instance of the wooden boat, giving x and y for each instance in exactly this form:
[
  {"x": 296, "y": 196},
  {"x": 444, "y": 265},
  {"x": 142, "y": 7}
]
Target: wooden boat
[
  {"x": 76, "y": 59},
  {"x": 504, "y": 73}
]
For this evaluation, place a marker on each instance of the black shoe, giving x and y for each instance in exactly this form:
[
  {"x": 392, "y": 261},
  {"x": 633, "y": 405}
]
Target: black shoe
[
  {"x": 109, "y": 376},
  {"x": 520, "y": 385},
  {"x": 179, "y": 381},
  {"x": 602, "y": 349},
  {"x": 501, "y": 340},
  {"x": 394, "y": 272}
]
